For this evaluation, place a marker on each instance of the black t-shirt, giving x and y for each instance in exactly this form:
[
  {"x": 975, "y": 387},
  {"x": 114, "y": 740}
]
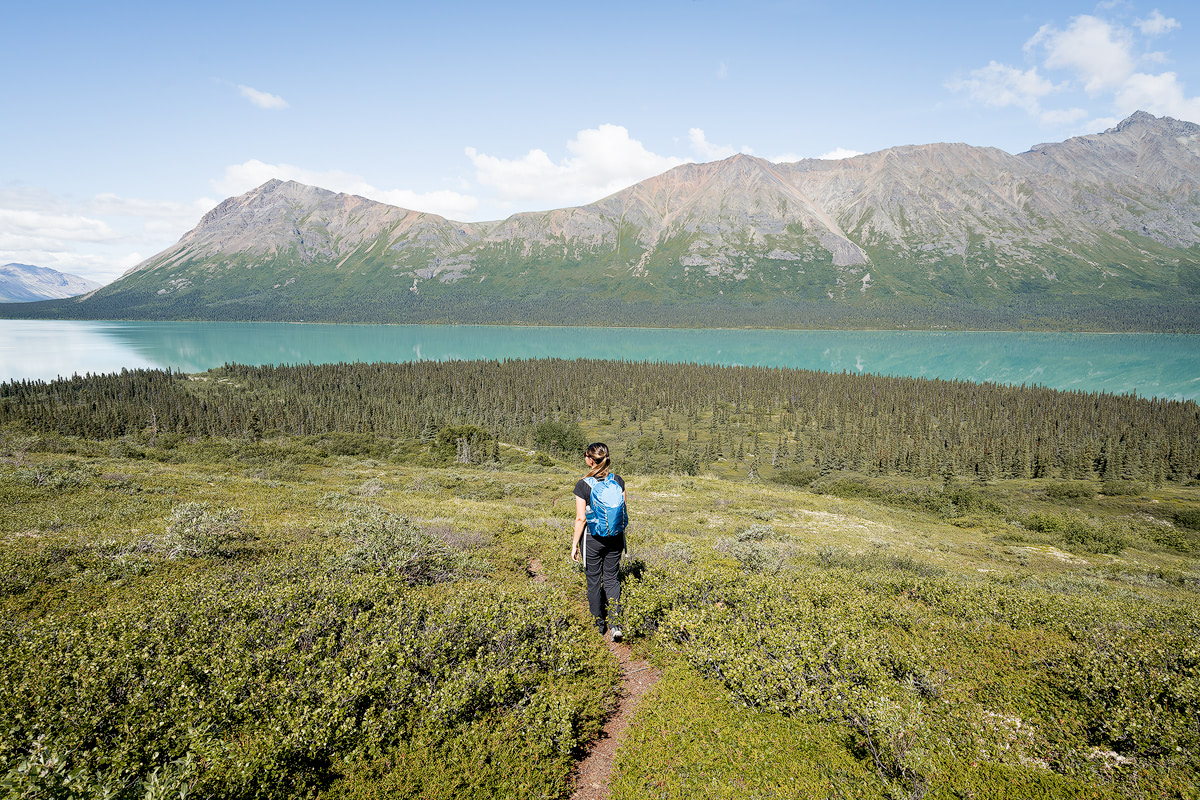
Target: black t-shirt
[{"x": 583, "y": 490}]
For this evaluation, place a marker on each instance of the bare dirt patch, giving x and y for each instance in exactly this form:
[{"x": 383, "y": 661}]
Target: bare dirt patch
[{"x": 593, "y": 773}]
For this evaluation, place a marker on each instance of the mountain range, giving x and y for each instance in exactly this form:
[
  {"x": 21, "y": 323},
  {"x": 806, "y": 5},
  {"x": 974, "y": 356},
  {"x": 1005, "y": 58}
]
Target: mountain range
[
  {"x": 24, "y": 283},
  {"x": 1097, "y": 232}
]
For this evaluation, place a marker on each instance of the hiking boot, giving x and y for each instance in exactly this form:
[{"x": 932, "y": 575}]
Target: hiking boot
[{"x": 616, "y": 634}]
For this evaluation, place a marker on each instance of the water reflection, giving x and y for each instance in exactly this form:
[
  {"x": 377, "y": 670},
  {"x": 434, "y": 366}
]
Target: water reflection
[{"x": 1148, "y": 364}]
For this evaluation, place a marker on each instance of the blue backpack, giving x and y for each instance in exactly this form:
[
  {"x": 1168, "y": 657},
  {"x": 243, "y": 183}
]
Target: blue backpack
[{"x": 606, "y": 514}]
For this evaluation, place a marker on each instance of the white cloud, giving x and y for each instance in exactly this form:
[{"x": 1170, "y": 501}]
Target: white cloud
[
  {"x": 1100, "y": 54},
  {"x": 603, "y": 160},
  {"x": 839, "y": 153},
  {"x": 239, "y": 178},
  {"x": 28, "y": 229},
  {"x": 1159, "y": 94},
  {"x": 1156, "y": 24},
  {"x": 1062, "y": 116},
  {"x": 98, "y": 238},
  {"x": 262, "y": 99},
  {"x": 722, "y": 71},
  {"x": 182, "y": 215},
  {"x": 710, "y": 150},
  {"x": 1001, "y": 85},
  {"x": 1097, "y": 55}
]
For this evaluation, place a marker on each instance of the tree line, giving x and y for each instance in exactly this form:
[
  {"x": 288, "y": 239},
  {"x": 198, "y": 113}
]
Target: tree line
[{"x": 764, "y": 418}]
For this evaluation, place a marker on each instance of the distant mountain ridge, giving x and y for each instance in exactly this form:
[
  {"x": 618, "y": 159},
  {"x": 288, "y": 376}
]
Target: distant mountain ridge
[
  {"x": 1099, "y": 231},
  {"x": 25, "y": 283}
]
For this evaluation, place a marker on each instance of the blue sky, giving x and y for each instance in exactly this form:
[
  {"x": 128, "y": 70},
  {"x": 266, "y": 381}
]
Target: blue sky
[{"x": 125, "y": 122}]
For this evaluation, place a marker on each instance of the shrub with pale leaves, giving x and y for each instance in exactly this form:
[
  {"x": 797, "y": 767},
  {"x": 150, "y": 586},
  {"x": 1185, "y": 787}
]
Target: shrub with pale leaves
[{"x": 198, "y": 530}]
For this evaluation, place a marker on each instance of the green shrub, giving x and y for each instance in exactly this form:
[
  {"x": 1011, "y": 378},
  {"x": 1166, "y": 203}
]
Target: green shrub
[
  {"x": 756, "y": 533},
  {"x": 794, "y": 476},
  {"x": 751, "y": 555},
  {"x": 384, "y": 543},
  {"x": 371, "y": 488},
  {"x": 68, "y": 475},
  {"x": 1140, "y": 687},
  {"x": 1042, "y": 522},
  {"x": 846, "y": 488},
  {"x": 560, "y": 438},
  {"x": 1122, "y": 488},
  {"x": 198, "y": 529},
  {"x": 1080, "y": 534},
  {"x": 269, "y": 690},
  {"x": 1188, "y": 518},
  {"x": 1070, "y": 490},
  {"x": 895, "y": 736}
]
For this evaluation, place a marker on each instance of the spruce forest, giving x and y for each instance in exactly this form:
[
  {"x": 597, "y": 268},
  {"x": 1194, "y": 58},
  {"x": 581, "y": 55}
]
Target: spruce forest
[
  {"x": 351, "y": 581},
  {"x": 662, "y": 417}
]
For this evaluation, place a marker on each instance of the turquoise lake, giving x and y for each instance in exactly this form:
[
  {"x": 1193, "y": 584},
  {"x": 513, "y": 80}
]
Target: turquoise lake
[{"x": 1150, "y": 365}]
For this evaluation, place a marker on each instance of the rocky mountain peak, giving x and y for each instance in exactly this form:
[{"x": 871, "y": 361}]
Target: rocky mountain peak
[
  {"x": 1135, "y": 119},
  {"x": 1142, "y": 121},
  {"x": 1108, "y": 215}
]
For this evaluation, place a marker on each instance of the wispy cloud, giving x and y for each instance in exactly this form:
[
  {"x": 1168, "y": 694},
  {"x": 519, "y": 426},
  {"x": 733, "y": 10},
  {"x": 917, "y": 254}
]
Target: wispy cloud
[
  {"x": 838, "y": 153},
  {"x": 97, "y": 238},
  {"x": 1156, "y": 24},
  {"x": 999, "y": 85},
  {"x": 1105, "y": 59},
  {"x": 22, "y": 229},
  {"x": 1100, "y": 53},
  {"x": 262, "y": 99},
  {"x": 712, "y": 151},
  {"x": 602, "y": 160}
]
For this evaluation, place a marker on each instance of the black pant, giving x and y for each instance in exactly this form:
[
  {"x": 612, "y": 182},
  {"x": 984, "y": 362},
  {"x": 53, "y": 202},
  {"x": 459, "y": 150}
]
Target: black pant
[{"x": 601, "y": 560}]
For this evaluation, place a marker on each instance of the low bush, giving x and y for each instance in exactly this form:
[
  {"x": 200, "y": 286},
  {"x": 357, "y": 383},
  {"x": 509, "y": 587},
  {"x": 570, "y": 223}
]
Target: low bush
[
  {"x": 272, "y": 690},
  {"x": 1071, "y": 490},
  {"x": 751, "y": 555},
  {"x": 66, "y": 475},
  {"x": 1108, "y": 537},
  {"x": 384, "y": 543},
  {"x": 1042, "y": 522},
  {"x": 846, "y": 488},
  {"x": 794, "y": 476},
  {"x": 871, "y": 654},
  {"x": 197, "y": 530},
  {"x": 1139, "y": 688},
  {"x": 756, "y": 533},
  {"x": 875, "y": 559},
  {"x": 1122, "y": 488}
]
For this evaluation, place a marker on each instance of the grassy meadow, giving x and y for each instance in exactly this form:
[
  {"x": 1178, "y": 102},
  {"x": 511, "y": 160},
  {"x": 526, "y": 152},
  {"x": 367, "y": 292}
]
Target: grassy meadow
[{"x": 346, "y": 615}]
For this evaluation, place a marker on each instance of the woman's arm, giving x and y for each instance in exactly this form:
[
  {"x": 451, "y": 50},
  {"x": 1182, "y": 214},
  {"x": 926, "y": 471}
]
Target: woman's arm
[{"x": 580, "y": 524}]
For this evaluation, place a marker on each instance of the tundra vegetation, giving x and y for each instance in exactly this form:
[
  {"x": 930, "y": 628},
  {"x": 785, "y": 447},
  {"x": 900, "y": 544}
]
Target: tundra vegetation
[{"x": 314, "y": 582}]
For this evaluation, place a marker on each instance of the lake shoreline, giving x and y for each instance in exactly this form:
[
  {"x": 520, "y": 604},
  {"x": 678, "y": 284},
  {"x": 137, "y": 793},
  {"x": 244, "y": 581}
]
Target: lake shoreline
[{"x": 1145, "y": 364}]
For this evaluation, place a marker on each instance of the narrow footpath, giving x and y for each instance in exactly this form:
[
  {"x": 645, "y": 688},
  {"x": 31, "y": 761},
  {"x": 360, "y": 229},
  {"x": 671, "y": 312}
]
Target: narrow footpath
[{"x": 593, "y": 773}]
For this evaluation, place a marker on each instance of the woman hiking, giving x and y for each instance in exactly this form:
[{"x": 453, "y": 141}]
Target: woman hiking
[{"x": 600, "y": 509}]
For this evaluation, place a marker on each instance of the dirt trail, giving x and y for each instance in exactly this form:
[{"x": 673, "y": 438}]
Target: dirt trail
[{"x": 593, "y": 773}]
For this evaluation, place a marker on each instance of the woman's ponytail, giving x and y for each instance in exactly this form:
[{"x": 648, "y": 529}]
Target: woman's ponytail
[{"x": 598, "y": 453}]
